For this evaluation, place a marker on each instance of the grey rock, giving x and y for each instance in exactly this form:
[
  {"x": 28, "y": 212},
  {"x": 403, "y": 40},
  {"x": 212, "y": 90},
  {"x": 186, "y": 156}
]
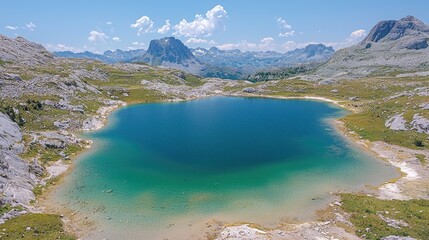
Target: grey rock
[
  {"x": 65, "y": 105},
  {"x": 397, "y": 123},
  {"x": 11, "y": 214},
  {"x": 62, "y": 124},
  {"x": 392, "y": 237},
  {"x": 22, "y": 51},
  {"x": 53, "y": 143},
  {"x": 424, "y": 106},
  {"x": 250, "y": 90},
  {"x": 92, "y": 123},
  {"x": 10, "y": 76},
  {"x": 420, "y": 124},
  {"x": 10, "y": 133},
  {"x": 36, "y": 169},
  {"x": 390, "y": 46}
]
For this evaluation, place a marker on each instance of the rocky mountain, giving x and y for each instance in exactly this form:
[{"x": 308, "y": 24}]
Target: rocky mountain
[
  {"x": 392, "y": 46},
  {"x": 251, "y": 62},
  {"x": 172, "y": 53},
  {"x": 107, "y": 57},
  {"x": 19, "y": 49}
]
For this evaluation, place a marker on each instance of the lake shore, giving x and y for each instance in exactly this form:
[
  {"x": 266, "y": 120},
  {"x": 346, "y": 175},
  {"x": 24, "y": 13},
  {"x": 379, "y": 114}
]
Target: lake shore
[{"x": 382, "y": 150}]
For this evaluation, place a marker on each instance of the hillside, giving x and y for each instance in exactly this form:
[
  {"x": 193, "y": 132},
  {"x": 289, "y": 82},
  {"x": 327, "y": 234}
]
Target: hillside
[{"x": 392, "y": 46}]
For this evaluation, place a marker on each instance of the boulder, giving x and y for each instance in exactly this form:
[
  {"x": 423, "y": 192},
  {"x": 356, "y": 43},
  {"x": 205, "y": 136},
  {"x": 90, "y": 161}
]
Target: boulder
[
  {"x": 250, "y": 90},
  {"x": 92, "y": 123},
  {"x": 397, "y": 123},
  {"x": 420, "y": 124}
]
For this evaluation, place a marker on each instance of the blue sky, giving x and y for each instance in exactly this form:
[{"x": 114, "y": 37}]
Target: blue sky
[{"x": 98, "y": 25}]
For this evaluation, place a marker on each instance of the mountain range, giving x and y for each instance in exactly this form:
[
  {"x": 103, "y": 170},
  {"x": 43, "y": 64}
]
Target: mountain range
[
  {"x": 391, "y": 46},
  {"x": 107, "y": 57},
  {"x": 172, "y": 53},
  {"x": 251, "y": 62}
]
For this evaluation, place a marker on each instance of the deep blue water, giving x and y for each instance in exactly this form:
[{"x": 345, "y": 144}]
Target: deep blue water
[{"x": 235, "y": 157}]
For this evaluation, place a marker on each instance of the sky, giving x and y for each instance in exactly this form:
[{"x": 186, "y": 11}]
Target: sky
[{"x": 248, "y": 25}]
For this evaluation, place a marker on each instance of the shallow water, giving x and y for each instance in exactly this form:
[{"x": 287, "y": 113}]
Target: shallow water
[{"x": 163, "y": 170}]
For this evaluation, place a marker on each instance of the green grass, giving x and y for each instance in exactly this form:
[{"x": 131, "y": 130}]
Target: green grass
[
  {"x": 421, "y": 158},
  {"x": 40, "y": 189},
  {"x": 365, "y": 217},
  {"x": 41, "y": 226}
]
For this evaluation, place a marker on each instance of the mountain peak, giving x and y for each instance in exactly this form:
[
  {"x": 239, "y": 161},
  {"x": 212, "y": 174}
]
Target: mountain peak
[
  {"x": 168, "y": 49},
  {"x": 392, "y": 30},
  {"x": 410, "y": 18}
]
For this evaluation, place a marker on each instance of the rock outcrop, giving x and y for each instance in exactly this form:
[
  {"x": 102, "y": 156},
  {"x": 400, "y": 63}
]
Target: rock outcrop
[
  {"x": 16, "y": 177},
  {"x": 420, "y": 124},
  {"x": 23, "y": 51},
  {"x": 391, "y": 46},
  {"x": 397, "y": 123},
  {"x": 92, "y": 123}
]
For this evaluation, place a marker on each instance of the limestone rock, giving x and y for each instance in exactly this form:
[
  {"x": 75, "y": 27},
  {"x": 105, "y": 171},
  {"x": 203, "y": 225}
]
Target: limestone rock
[
  {"x": 420, "y": 124},
  {"x": 397, "y": 123},
  {"x": 92, "y": 123}
]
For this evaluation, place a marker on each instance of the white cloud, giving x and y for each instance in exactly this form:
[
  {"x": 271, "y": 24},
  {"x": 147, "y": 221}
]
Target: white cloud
[
  {"x": 202, "y": 26},
  {"x": 109, "y": 23},
  {"x": 292, "y": 45},
  {"x": 199, "y": 41},
  {"x": 143, "y": 24},
  {"x": 136, "y": 45},
  {"x": 283, "y": 24},
  {"x": 12, "y": 28},
  {"x": 61, "y": 47},
  {"x": 31, "y": 26},
  {"x": 287, "y": 34},
  {"x": 116, "y": 39},
  {"x": 267, "y": 40},
  {"x": 97, "y": 36},
  {"x": 352, "y": 39},
  {"x": 360, "y": 33},
  {"x": 164, "y": 29},
  {"x": 266, "y": 44}
]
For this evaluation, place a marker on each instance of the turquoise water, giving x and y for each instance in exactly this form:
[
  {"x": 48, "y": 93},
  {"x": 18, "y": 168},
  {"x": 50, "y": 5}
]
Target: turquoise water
[{"x": 159, "y": 169}]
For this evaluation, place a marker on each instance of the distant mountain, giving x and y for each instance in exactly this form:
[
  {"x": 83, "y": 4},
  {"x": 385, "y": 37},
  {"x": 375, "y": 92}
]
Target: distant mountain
[
  {"x": 234, "y": 64},
  {"x": 107, "y": 56},
  {"x": 392, "y": 46},
  {"x": 172, "y": 53},
  {"x": 251, "y": 62}
]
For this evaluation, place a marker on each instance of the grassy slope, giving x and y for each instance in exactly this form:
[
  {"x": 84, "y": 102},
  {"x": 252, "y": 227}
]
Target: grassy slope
[
  {"x": 34, "y": 226},
  {"x": 365, "y": 217}
]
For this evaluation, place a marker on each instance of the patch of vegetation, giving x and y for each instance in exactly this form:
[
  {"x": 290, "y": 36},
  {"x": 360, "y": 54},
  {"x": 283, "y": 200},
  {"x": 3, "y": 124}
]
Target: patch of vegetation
[
  {"x": 222, "y": 72},
  {"x": 33, "y": 227},
  {"x": 282, "y": 73},
  {"x": 373, "y": 217},
  {"x": 421, "y": 158},
  {"x": 40, "y": 189},
  {"x": 418, "y": 143}
]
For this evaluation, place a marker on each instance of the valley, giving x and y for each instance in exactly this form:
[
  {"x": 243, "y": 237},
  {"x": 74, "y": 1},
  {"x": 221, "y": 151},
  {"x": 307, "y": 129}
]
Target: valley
[{"x": 46, "y": 102}]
